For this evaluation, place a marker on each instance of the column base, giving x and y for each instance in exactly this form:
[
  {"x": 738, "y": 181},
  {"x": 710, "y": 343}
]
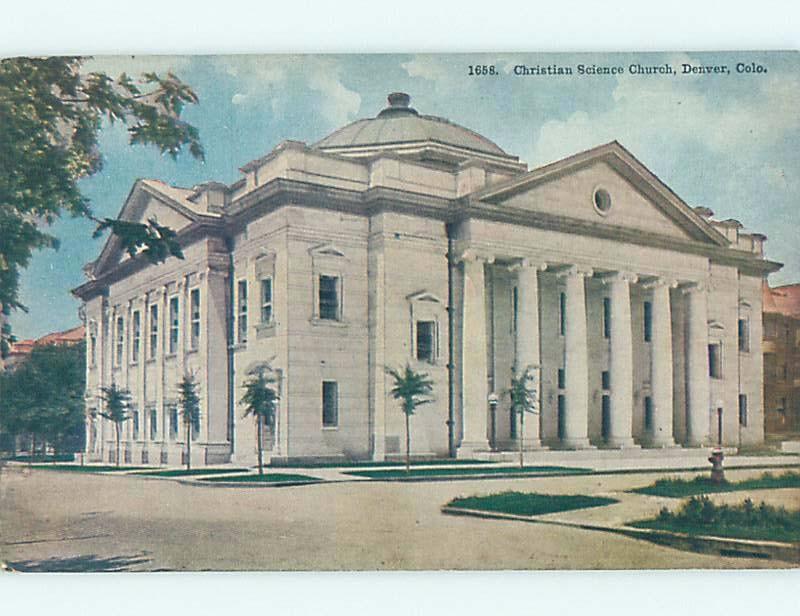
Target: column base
[
  {"x": 468, "y": 449},
  {"x": 663, "y": 444},
  {"x": 576, "y": 443},
  {"x": 621, "y": 443}
]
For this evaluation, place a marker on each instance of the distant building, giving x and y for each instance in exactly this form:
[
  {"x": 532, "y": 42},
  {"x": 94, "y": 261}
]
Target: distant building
[
  {"x": 407, "y": 239},
  {"x": 21, "y": 350},
  {"x": 782, "y": 360}
]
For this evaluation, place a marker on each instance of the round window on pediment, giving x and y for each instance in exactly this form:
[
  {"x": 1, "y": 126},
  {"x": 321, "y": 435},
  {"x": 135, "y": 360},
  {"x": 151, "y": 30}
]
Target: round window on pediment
[{"x": 602, "y": 201}]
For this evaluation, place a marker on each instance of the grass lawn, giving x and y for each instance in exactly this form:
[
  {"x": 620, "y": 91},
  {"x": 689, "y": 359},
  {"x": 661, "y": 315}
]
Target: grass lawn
[
  {"x": 66, "y": 457},
  {"x": 182, "y": 472},
  {"x": 265, "y": 478},
  {"x": 368, "y": 464},
  {"x": 421, "y": 473},
  {"x": 77, "y": 468},
  {"x": 529, "y": 503},
  {"x": 700, "y": 516},
  {"x": 679, "y": 488}
]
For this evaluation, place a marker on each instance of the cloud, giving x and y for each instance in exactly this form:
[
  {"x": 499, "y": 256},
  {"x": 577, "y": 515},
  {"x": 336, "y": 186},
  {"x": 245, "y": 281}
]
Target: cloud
[
  {"x": 426, "y": 67},
  {"x": 279, "y": 80}
]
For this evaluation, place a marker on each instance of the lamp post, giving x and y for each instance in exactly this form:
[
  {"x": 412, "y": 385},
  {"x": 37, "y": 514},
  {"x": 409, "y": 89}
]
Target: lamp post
[{"x": 493, "y": 399}]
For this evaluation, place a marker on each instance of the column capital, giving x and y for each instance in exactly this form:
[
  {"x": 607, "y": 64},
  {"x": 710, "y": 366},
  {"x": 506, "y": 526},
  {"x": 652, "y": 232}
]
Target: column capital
[
  {"x": 620, "y": 275},
  {"x": 693, "y": 287},
  {"x": 660, "y": 281},
  {"x": 573, "y": 271},
  {"x": 471, "y": 255},
  {"x": 526, "y": 263}
]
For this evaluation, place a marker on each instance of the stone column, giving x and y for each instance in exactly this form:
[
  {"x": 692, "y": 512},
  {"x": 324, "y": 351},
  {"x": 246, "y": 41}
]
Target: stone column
[
  {"x": 474, "y": 368},
  {"x": 527, "y": 342},
  {"x": 661, "y": 365},
  {"x": 697, "y": 377},
  {"x": 621, "y": 362},
  {"x": 576, "y": 364}
]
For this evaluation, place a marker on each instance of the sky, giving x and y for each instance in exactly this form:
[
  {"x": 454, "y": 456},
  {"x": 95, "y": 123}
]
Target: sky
[{"x": 730, "y": 142}]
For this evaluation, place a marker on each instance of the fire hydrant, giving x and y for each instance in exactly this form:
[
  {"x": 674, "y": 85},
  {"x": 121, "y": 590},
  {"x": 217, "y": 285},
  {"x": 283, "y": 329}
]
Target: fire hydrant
[{"x": 717, "y": 472}]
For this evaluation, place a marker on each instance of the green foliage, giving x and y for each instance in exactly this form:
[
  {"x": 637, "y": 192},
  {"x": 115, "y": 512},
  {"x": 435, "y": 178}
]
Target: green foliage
[
  {"x": 44, "y": 396},
  {"x": 701, "y": 516},
  {"x": 529, "y": 503},
  {"x": 189, "y": 402},
  {"x": 116, "y": 403},
  {"x": 679, "y": 488},
  {"x": 51, "y": 113},
  {"x": 265, "y": 478},
  {"x": 260, "y": 400},
  {"x": 522, "y": 392},
  {"x": 411, "y": 388}
]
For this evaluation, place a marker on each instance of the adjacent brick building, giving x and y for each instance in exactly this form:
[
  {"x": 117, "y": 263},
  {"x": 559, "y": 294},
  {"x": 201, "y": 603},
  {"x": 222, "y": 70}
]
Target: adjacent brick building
[{"x": 782, "y": 360}]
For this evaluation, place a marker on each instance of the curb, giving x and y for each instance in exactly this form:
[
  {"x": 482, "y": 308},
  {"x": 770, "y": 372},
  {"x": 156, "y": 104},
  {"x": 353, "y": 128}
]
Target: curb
[{"x": 706, "y": 544}]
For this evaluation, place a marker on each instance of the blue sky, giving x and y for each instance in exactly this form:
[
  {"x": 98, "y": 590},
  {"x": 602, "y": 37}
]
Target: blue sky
[{"x": 728, "y": 142}]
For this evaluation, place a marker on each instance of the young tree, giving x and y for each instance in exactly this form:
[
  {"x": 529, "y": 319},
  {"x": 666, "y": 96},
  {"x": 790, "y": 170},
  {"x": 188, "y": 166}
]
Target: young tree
[
  {"x": 189, "y": 405},
  {"x": 51, "y": 113},
  {"x": 261, "y": 401},
  {"x": 523, "y": 400},
  {"x": 412, "y": 389},
  {"x": 117, "y": 403}
]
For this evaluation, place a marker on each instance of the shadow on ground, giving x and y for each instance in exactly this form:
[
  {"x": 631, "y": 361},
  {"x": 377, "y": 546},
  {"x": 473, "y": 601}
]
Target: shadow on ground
[{"x": 80, "y": 564}]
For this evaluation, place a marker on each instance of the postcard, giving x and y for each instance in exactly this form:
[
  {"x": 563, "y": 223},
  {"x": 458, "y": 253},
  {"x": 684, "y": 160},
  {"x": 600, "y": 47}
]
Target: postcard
[{"x": 400, "y": 312}]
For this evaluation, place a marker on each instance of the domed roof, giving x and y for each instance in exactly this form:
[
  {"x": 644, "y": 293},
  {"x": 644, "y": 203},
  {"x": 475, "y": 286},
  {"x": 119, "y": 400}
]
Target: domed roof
[{"x": 401, "y": 124}]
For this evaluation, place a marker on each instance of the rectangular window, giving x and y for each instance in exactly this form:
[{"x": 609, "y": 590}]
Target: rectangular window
[
  {"x": 173, "y": 422},
  {"x": 241, "y": 320},
  {"x": 135, "y": 416},
  {"x": 648, "y": 321},
  {"x": 196, "y": 426},
  {"x": 137, "y": 336},
  {"x": 744, "y": 335},
  {"x": 561, "y": 378},
  {"x": 330, "y": 404},
  {"x": 329, "y": 297},
  {"x": 606, "y": 317},
  {"x": 266, "y": 300},
  {"x": 562, "y": 314},
  {"x": 605, "y": 377},
  {"x": 605, "y": 416},
  {"x": 743, "y": 409},
  {"x": 426, "y": 341},
  {"x": 514, "y": 309},
  {"x": 715, "y": 360},
  {"x": 153, "y": 424},
  {"x": 120, "y": 341},
  {"x": 153, "y": 331},
  {"x": 93, "y": 349},
  {"x": 174, "y": 325},
  {"x": 648, "y": 413},
  {"x": 194, "y": 315},
  {"x": 562, "y": 412}
]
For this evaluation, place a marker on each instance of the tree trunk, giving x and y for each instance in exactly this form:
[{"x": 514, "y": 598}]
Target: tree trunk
[
  {"x": 188, "y": 446},
  {"x": 408, "y": 446},
  {"x": 260, "y": 421},
  {"x": 116, "y": 430},
  {"x": 521, "y": 439},
  {"x": 33, "y": 449}
]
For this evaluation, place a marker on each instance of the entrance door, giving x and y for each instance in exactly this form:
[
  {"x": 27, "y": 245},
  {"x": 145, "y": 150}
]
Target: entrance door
[
  {"x": 719, "y": 426},
  {"x": 561, "y": 416}
]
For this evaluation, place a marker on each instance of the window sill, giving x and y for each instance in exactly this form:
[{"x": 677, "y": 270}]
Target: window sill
[
  {"x": 329, "y": 322},
  {"x": 170, "y": 356},
  {"x": 266, "y": 330},
  {"x": 152, "y": 360},
  {"x": 330, "y": 428},
  {"x": 193, "y": 351},
  {"x": 239, "y": 346}
]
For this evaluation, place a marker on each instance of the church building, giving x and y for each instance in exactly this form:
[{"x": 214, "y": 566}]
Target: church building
[{"x": 406, "y": 239}]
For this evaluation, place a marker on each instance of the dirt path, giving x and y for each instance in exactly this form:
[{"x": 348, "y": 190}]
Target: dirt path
[{"x": 72, "y": 521}]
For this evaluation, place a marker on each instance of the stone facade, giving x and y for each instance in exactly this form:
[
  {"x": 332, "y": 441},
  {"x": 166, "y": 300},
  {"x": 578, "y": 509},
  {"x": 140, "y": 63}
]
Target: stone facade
[{"x": 426, "y": 244}]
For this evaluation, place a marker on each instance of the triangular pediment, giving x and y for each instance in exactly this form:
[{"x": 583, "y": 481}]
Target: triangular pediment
[
  {"x": 327, "y": 250},
  {"x": 147, "y": 200},
  {"x": 423, "y": 296},
  {"x": 603, "y": 187}
]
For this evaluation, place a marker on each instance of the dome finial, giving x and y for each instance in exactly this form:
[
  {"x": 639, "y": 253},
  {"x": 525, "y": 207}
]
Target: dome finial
[
  {"x": 399, "y": 105},
  {"x": 399, "y": 99}
]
